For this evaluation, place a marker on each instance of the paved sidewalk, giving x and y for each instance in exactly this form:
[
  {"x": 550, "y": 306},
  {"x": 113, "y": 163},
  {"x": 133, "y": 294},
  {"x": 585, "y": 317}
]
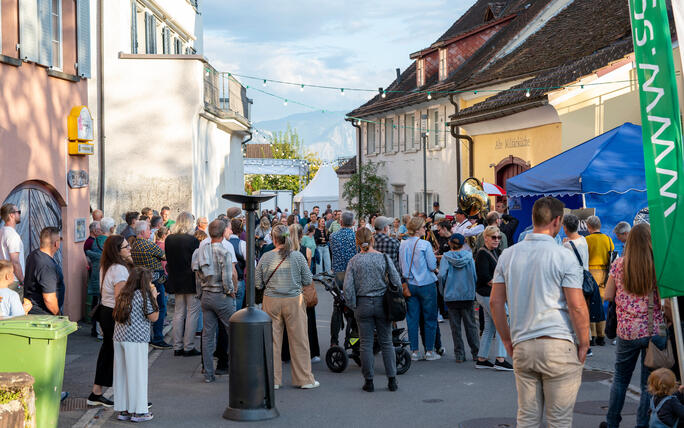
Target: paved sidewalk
[{"x": 435, "y": 394}]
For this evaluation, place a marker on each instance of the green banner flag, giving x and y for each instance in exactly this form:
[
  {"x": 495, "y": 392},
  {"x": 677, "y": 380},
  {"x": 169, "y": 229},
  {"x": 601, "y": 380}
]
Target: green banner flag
[{"x": 662, "y": 135}]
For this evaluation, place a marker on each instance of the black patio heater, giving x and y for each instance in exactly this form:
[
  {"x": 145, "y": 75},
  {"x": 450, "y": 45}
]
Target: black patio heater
[{"x": 252, "y": 397}]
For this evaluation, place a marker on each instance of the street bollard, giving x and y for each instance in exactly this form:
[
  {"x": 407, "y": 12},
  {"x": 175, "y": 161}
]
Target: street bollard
[{"x": 251, "y": 393}]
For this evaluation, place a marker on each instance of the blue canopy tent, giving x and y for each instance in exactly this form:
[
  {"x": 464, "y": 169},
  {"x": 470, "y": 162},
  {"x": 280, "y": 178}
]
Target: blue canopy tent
[{"x": 605, "y": 173}]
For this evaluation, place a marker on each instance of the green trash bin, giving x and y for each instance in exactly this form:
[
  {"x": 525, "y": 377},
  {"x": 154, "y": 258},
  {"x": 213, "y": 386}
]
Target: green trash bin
[{"x": 36, "y": 344}]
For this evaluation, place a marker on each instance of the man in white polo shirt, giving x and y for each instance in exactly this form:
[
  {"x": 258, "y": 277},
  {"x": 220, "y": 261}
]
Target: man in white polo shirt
[
  {"x": 11, "y": 247},
  {"x": 542, "y": 284}
]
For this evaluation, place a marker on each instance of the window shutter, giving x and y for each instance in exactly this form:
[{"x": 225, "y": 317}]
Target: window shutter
[
  {"x": 442, "y": 128},
  {"x": 83, "y": 34},
  {"x": 167, "y": 40},
  {"x": 45, "y": 32},
  {"x": 150, "y": 39},
  {"x": 404, "y": 204},
  {"x": 419, "y": 201},
  {"x": 28, "y": 34},
  {"x": 153, "y": 33},
  {"x": 134, "y": 28}
]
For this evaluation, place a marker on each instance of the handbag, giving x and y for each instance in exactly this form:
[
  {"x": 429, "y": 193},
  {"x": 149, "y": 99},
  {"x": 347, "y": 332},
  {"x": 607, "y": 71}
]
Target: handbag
[
  {"x": 394, "y": 301},
  {"x": 657, "y": 356},
  {"x": 611, "y": 321},
  {"x": 404, "y": 284},
  {"x": 588, "y": 283},
  {"x": 310, "y": 295},
  {"x": 259, "y": 295}
]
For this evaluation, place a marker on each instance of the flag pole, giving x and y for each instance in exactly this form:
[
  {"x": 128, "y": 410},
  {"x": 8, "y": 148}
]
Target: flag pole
[{"x": 677, "y": 325}]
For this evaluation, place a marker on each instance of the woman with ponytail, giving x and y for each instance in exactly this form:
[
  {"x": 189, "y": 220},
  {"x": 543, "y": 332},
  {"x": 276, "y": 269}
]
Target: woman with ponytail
[
  {"x": 282, "y": 273},
  {"x": 364, "y": 288}
]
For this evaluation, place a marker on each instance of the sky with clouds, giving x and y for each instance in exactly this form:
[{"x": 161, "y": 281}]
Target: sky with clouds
[{"x": 351, "y": 43}]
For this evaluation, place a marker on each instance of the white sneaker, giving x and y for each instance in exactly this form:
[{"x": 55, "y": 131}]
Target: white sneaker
[
  {"x": 440, "y": 318},
  {"x": 432, "y": 356},
  {"x": 415, "y": 356},
  {"x": 316, "y": 360},
  {"x": 276, "y": 386},
  {"x": 316, "y": 384}
]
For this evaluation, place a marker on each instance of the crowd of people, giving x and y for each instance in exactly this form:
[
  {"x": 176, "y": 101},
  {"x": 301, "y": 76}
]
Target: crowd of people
[{"x": 524, "y": 298}]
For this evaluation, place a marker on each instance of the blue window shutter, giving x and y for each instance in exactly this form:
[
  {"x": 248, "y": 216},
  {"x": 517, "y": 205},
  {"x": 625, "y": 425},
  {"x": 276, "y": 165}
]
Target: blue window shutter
[
  {"x": 147, "y": 33},
  {"x": 45, "y": 32},
  {"x": 83, "y": 34},
  {"x": 28, "y": 30},
  {"x": 134, "y": 29}
]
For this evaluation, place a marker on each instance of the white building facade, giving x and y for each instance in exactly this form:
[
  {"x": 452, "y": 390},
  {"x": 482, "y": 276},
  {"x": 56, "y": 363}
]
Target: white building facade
[{"x": 169, "y": 126}]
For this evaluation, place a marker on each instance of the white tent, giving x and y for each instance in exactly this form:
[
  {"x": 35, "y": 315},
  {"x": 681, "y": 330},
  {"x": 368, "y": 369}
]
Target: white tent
[{"x": 322, "y": 190}]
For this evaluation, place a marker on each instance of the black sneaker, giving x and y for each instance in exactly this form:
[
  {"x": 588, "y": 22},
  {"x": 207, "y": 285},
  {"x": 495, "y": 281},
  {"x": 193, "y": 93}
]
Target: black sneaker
[
  {"x": 601, "y": 341},
  {"x": 592, "y": 341},
  {"x": 483, "y": 364},
  {"x": 161, "y": 345},
  {"x": 392, "y": 384},
  {"x": 589, "y": 353},
  {"x": 99, "y": 400},
  {"x": 178, "y": 353},
  {"x": 503, "y": 366},
  {"x": 192, "y": 353}
]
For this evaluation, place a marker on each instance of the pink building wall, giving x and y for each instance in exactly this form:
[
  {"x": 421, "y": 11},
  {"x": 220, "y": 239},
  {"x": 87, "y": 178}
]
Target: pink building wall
[{"x": 33, "y": 141}]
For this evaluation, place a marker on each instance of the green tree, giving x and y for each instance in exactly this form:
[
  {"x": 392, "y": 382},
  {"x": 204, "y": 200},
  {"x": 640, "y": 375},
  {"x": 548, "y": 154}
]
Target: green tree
[
  {"x": 285, "y": 145},
  {"x": 372, "y": 188}
]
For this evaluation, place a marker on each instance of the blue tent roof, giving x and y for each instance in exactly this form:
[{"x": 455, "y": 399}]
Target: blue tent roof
[{"x": 611, "y": 162}]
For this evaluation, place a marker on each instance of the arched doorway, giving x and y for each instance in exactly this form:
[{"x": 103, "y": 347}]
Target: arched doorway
[
  {"x": 509, "y": 166},
  {"x": 39, "y": 209}
]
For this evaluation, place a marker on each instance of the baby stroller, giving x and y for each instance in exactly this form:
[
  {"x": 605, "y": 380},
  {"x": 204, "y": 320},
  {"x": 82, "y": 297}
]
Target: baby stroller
[{"x": 337, "y": 357}]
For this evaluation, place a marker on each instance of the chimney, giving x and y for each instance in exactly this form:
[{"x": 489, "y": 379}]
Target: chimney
[{"x": 398, "y": 74}]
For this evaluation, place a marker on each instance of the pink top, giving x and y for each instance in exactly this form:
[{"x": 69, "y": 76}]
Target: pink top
[
  {"x": 161, "y": 244},
  {"x": 632, "y": 311}
]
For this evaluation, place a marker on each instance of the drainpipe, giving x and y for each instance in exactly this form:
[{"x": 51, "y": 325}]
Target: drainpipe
[
  {"x": 356, "y": 125},
  {"x": 248, "y": 139},
  {"x": 454, "y": 133},
  {"x": 100, "y": 105}
]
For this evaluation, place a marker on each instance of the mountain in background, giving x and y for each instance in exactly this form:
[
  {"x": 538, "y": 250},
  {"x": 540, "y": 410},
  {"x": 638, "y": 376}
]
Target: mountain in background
[{"x": 326, "y": 134}]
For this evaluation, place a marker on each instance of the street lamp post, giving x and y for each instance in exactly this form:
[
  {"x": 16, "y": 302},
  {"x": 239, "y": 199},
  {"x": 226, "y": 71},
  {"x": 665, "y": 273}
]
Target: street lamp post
[
  {"x": 251, "y": 393},
  {"x": 424, "y": 133}
]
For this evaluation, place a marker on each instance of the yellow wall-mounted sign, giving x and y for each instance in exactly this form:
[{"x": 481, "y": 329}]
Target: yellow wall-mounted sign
[{"x": 80, "y": 131}]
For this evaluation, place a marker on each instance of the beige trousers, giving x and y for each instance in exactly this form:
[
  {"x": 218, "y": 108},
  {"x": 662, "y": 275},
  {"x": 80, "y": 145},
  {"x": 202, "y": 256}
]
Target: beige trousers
[
  {"x": 548, "y": 375},
  {"x": 290, "y": 311},
  {"x": 598, "y": 329}
]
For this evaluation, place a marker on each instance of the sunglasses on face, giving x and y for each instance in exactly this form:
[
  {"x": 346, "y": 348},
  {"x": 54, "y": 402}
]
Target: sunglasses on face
[
  {"x": 496, "y": 237},
  {"x": 16, "y": 212}
]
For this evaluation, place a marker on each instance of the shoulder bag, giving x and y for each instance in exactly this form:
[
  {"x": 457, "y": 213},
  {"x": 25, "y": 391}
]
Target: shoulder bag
[
  {"x": 588, "y": 283},
  {"x": 395, "y": 303},
  {"x": 259, "y": 295},
  {"x": 404, "y": 284},
  {"x": 657, "y": 356}
]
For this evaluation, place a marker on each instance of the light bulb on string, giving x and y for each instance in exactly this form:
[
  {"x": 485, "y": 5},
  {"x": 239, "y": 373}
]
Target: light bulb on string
[
  {"x": 342, "y": 91},
  {"x": 527, "y": 94},
  {"x": 301, "y": 89},
  {"x": 264, "y": 82},
  {"x": 429, "y": 97},
  {"x": 474, "y": 92},
  {"x": 285, "y": 103}
]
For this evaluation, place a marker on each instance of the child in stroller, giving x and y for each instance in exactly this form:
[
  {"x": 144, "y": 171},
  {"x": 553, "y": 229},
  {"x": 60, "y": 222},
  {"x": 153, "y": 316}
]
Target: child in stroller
[{"x": 337, "y": 357}]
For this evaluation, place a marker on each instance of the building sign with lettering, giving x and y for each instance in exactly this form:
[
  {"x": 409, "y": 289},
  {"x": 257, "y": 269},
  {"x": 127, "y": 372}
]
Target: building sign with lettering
[
  {"x": 80, "y": 131},
  {"x": 512, "y": 142}
]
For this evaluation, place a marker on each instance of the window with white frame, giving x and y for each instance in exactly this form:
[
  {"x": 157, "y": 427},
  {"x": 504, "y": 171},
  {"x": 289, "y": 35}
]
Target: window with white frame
[
  {"x": 370, "y": 138},
  {"x": 442, "y": 64},
  {"x": 409, "y": 131},
  {"x": 389, "y": 135},
  {"x": 433, "y": 126},
  {"x": 56, "y": 34},
  {"x": 420, "y": 76}
]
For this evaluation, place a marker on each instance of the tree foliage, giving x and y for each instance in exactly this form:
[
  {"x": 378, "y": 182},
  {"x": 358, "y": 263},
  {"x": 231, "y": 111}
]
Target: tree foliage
[
  {"x": 372, "y": 188},
  {"x": 285, "y": 145}
]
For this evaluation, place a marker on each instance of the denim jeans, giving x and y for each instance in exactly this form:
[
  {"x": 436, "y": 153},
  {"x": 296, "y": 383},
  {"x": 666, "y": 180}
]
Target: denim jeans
[
  {"x": 489, "y": 332},
  {"x": 626, "y": 356},
  {"x": 217, "y": 308},
  {"x": 324, "y": 265},
  {"x": 371, "y": 317},
  {"x": 461, "y": 313},
  {"x": 158, "y": 326},
  {"x": 423, "y": 300},
  {"x": 240, "y": 295}
]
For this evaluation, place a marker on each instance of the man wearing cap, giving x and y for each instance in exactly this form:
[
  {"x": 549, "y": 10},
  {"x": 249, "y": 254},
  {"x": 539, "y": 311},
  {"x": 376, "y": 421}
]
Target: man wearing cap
[
  {"x": 383, "y": 242},
  {"x": 468, "y": 227},
  {"x": 435, "y": 211}
]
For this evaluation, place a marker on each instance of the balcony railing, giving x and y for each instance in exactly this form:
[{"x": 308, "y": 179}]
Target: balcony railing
[{"x": 224, "y": 96}]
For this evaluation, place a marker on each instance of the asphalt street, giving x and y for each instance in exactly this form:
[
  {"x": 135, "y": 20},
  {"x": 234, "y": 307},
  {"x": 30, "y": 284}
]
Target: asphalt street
[{"x": 435, "y": 394}]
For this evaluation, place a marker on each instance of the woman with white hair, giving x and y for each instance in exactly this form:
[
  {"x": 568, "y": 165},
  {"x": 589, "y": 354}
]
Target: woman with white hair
[
  {"x": 179, "y": 246},
  {"x": 621, "y": 230}
]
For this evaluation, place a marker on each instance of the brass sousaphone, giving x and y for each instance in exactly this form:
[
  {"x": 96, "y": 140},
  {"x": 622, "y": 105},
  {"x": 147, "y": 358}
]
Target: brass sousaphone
[{"x": 472, "y": 198}]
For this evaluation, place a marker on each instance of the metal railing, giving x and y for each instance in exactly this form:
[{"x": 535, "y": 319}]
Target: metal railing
[{"x": 223, "y": 95}]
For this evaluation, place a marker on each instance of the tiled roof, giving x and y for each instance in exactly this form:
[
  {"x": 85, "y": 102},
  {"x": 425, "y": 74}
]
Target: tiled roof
[
  {"x": 347, "y": 168},
  {"x": 474, "y": 17},
  {"x": 524, "y": 10},
  {"x": 554, "y": 61}
]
